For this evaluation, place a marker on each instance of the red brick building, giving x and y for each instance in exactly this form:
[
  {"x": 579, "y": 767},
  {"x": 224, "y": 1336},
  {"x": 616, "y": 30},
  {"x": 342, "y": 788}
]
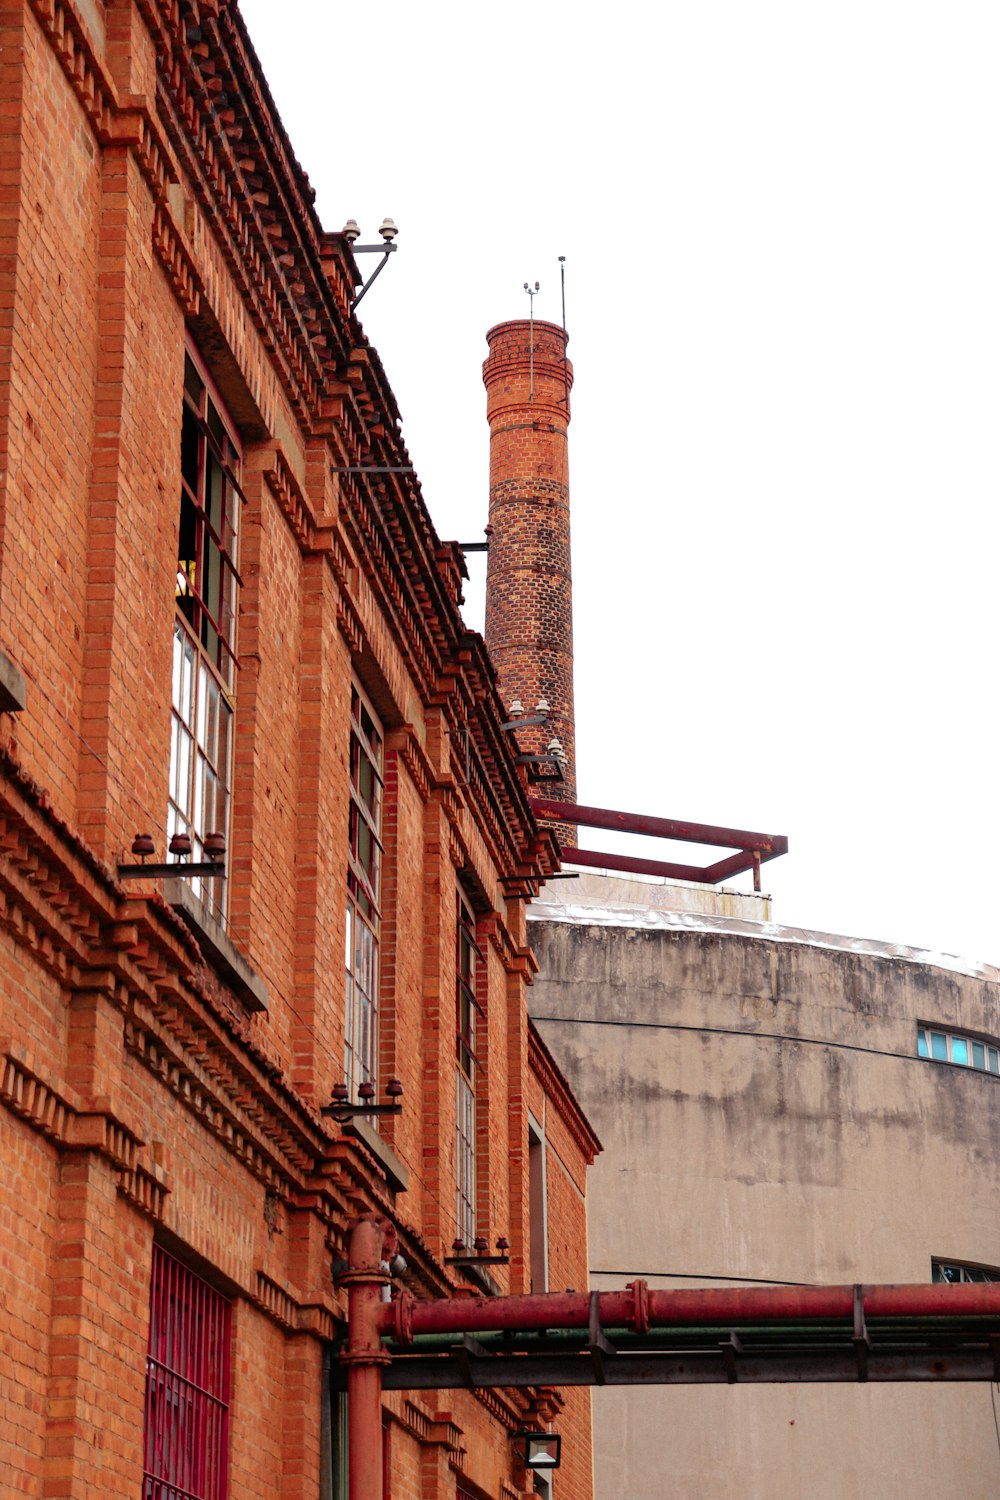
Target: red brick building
[{"x": 227, "y": 623}]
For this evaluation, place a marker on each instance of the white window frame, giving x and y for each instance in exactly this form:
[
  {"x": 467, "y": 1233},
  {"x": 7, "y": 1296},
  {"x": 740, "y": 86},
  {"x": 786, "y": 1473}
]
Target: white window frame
[
  {"x": 203, "y": 706},
  {"x": 364, "y": 879},
  {"x": 960, "y": 1048}
]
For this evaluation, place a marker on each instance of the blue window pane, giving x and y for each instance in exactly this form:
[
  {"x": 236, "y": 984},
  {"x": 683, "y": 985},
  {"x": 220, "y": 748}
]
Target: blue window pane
[
  {"x": 939, "y": 1046},
  {"x": 959, "y": 1050},
  {"x": 994, "y": 1057},
  {"x": 978, "y": 1055},
  {"x": 922, "y": 1042}
]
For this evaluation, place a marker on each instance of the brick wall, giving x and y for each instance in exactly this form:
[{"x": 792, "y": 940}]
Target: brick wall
[{"x": 142, "y": 1099}]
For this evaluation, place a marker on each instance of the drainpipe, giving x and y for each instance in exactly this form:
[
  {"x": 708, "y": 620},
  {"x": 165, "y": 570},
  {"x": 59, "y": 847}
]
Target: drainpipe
[{"x": 371, "y": 1246}]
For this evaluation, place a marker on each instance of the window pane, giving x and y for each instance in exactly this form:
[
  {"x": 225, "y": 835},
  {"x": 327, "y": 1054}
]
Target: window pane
[
  {"x": 978, "y": 1055},
  {"x": 939, "y": 1046},
  {"x": 959, "y": 1050},
  {"x": 994, "y": 1060},
  {"x": 922, "y": 1050}
]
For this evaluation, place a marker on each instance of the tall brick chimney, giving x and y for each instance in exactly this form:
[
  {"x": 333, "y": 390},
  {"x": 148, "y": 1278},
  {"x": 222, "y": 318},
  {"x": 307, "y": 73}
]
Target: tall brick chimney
[{"x": 529, "y": 593}]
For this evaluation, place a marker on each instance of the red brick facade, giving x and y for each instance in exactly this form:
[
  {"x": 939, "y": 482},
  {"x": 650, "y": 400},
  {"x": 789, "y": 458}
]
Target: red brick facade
[
  {"x": 529, "y": 600},
  {"x": 161, "y": 1075}
]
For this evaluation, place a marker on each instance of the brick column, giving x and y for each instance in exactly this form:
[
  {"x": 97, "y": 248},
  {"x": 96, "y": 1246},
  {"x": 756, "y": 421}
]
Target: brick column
[{"x": 529, "y": 599}]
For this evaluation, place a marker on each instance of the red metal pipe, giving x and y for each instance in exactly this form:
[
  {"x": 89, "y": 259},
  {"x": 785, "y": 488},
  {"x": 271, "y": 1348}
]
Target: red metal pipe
[
  {"x": 371, "y": 1245},
  {"x": 636, "y": 1307}
]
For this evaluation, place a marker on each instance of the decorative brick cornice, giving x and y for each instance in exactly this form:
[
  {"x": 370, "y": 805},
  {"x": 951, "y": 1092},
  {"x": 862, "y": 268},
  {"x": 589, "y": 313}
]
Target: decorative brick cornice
[
  {"x": 72, "y": 45},
  {"x": 288, "y": 1312},
  {"x": 440, "y": 1430},
  {"x": 516, "y": 960},
  {"x": 560, "y": 1095},
  {"x": 182, "y": 273},
  {"x": 69, "y": 1128},
  {"x": 291, "y": 500},
  {"x": 125, "y": 123},
  {"x": 254, "y": 196},
  {"x": 406, "y": 742}
]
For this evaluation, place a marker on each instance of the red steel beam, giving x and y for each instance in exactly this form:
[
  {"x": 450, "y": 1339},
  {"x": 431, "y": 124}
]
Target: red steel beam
[
  {"x": 664, "y": 828},
  {"x": 634, "y": 864}
]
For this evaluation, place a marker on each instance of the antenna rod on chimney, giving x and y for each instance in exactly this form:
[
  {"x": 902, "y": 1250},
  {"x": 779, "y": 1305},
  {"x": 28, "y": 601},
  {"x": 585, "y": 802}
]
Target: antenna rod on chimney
[
  {"x": 562, "y": 283},
  {"x": 532, "y": 293}
]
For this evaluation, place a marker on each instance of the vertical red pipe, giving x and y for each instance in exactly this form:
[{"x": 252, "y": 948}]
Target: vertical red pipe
[{"x": 371, "y": 1245}]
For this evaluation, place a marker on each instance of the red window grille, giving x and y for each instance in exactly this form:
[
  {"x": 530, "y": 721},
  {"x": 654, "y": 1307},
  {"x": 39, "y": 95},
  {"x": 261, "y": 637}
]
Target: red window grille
[{"x": 186, "y": 1452}]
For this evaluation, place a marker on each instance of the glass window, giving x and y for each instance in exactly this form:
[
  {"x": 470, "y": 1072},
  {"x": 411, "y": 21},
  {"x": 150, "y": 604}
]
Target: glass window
[
  {"x": 205, "y": 626},
  {"x": 957, "y": 1272},
  {"x": 364, "y": 873},
  {"x": 954, "y": 1047}
]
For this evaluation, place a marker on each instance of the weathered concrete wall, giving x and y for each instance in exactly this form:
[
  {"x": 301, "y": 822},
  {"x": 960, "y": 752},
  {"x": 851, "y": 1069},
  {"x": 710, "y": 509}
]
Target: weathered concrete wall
[{"x": 765, "y": 1115}]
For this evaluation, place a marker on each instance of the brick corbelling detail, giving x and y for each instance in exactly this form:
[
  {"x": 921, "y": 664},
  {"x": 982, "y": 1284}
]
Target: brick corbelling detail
[
  {"x": 42, "y": 1107},
  {"x": 291, "y": 500},
  {"x": 182, "y": 273},
  {"x": 254, "y": 198},
  {"x": 125, "y": 124},
  {"x": 55, "y": 895},
  {"x": 411, "y": 752},
  {"x": 516, "y": 960},
  {"x": 288, "y": 1312}
]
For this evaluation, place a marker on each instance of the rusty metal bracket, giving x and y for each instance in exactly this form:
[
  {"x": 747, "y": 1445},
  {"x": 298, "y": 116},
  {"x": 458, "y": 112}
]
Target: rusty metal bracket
[
  {"x": 465, "y": 1352},
  {"x": 729, "y": 1349},
  {"x": 599, "y": 1345},
  {"x": 861, "y": 1341}
]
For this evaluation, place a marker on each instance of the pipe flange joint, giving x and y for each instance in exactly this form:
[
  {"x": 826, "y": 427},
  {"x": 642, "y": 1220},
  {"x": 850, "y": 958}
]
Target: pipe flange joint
[
  {"x": 365, "y": 1357},
  {"x": 640, "y": 1305},
  {"x": 363, "y": 1276},
  {"x": 400, "y": 1328}
]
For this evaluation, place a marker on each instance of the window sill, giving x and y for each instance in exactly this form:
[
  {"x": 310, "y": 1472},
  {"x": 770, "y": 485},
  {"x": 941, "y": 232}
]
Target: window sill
[
  {"x": 219, "y": 950},
  {"x": 13, "y": 688},
  {"x": 396, "y": 1174}
]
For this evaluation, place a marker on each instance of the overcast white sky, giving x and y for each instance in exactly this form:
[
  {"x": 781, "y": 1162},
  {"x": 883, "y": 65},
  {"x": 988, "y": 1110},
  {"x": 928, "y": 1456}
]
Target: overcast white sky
[{"x": 782, "y": 230}]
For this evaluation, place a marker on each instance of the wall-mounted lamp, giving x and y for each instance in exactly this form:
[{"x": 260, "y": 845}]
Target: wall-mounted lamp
[
  {"x": 387, "y": 229},
  {"x": 538, "y": 1450}
]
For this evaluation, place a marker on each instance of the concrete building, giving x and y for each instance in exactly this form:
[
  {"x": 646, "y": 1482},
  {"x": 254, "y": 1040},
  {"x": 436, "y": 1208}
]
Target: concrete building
[
  {"x": 265, "y": 848},
  {"x": 777, "y": 1107},
  {"x": 770, "y": 1114}
]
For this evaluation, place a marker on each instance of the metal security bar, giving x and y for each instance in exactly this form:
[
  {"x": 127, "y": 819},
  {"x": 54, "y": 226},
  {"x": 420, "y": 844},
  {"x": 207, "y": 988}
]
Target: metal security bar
[{"x": 186, "y": 1451}]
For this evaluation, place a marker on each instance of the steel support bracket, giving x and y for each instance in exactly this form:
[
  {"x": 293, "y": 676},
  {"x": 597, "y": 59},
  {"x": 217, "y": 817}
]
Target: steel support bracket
[
  {"x": 464, "y": 1353},
  {"x": 599, "y": 1345},
  {"x": 729, "y": 1349},
  {"x": 861, "y": 1341}
]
